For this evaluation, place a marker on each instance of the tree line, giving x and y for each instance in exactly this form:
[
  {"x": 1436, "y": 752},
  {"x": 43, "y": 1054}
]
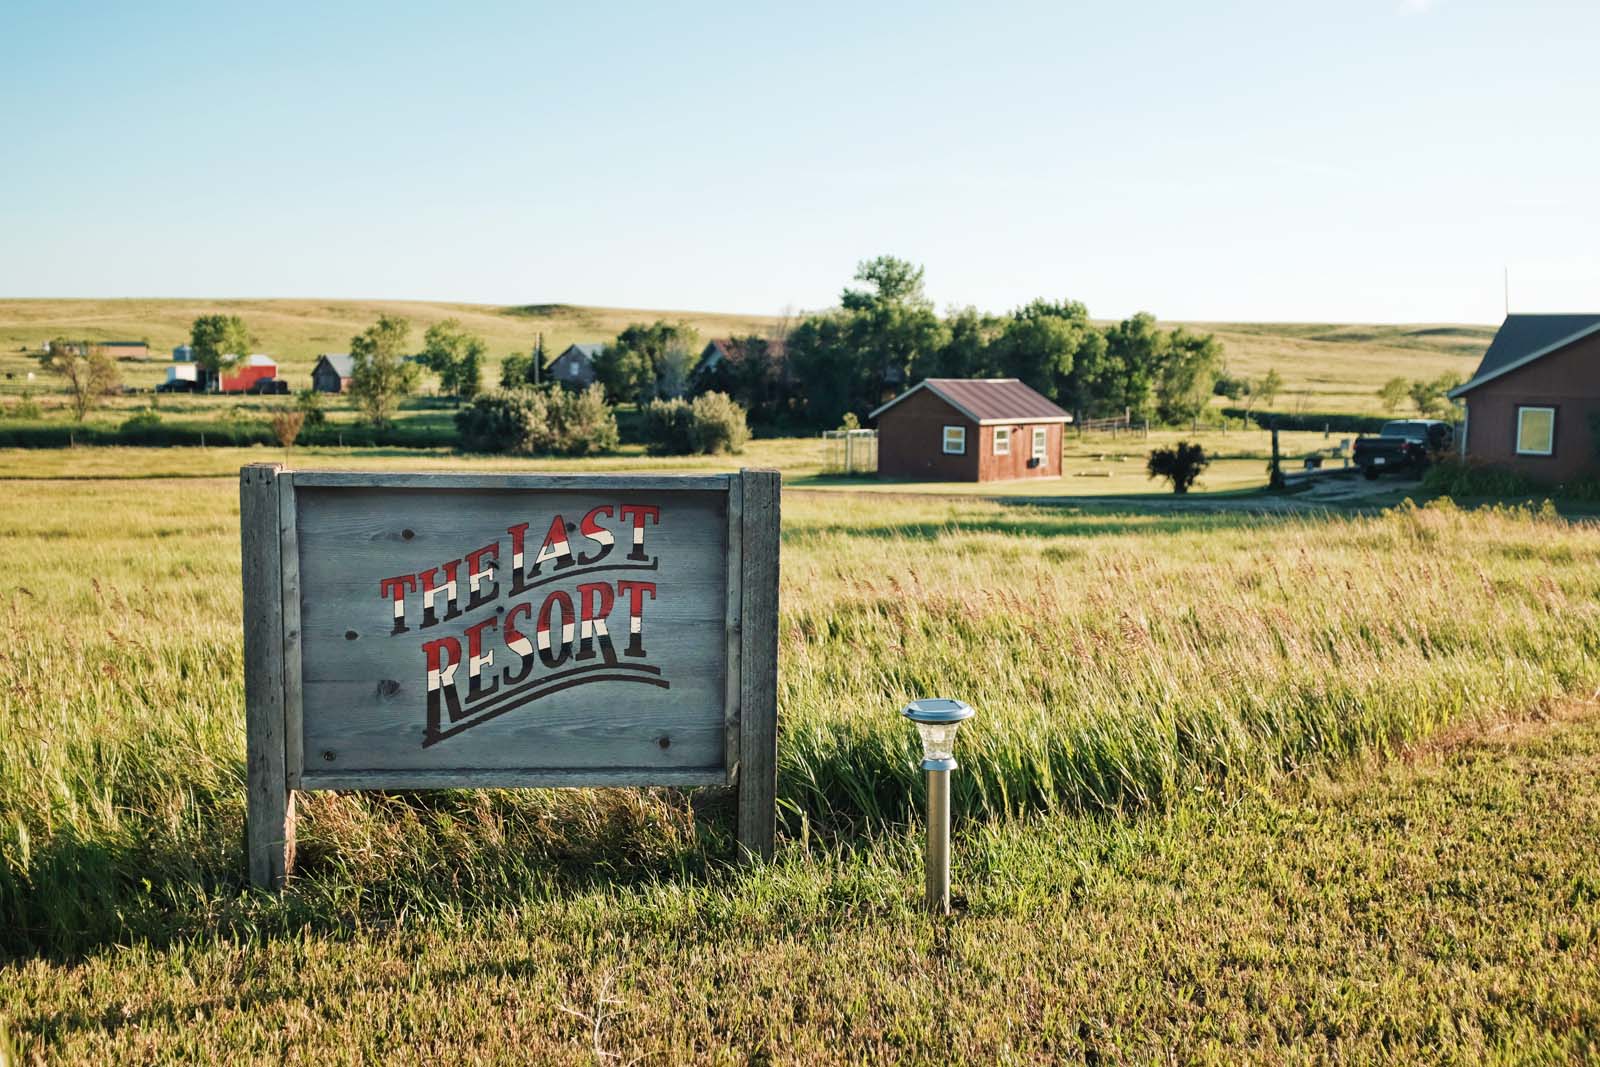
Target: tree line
[{"x": 884, "y": 336}]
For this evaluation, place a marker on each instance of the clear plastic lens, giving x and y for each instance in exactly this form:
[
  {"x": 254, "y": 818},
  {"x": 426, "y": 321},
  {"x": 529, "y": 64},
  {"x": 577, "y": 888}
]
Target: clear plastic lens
[{"x": 938, "y": 739}]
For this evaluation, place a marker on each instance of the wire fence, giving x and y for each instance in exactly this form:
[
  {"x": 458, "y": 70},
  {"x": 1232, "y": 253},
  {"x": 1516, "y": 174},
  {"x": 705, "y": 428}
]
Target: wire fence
[{"x": 850, "y": 451}]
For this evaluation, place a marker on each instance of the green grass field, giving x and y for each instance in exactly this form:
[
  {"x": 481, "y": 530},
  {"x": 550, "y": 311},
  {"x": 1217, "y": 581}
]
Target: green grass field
[
  {"x": 1151, "y": 853},
  {"x": 1326, "y": 367}
]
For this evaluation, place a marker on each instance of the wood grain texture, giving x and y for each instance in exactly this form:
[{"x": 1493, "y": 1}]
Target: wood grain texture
[
  {"x": 364, "y": 687},
  {"x": 289, "y": 553},
  {"x": 734, "y": 608},
  {"x": 489, "y": 480},
  {"x": 269, "y": 808},
  {"x": 758, "y": 664},
  {"x": 511, "y": 778}
]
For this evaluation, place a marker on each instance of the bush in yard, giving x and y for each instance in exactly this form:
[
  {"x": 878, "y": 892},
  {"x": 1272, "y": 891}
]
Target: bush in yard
[
  {"x": 286, "y": 427},
  {"x": 666, "y": 428},
  {"x": 585, "y": 423},
  {"x": 717, "y": 424},
  {"x": 309, "y": 403},
  {"x": 141, "y": 420},
  {"x": 26, "y": 407},
  {"x": 528, "y": 422},
  {"x": 1181, "y": 464},
  {"x": 507, "y": 420}
]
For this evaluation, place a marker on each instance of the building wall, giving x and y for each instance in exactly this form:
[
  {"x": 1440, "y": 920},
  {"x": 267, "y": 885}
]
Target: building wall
[
  {"x": 911, "y": 441},
  {"x": 1569, "y": 381},
  {"x": 573, "y": 369},
  {"x": 1015, "y": 464},
  {"x": 325, "y": 379}
]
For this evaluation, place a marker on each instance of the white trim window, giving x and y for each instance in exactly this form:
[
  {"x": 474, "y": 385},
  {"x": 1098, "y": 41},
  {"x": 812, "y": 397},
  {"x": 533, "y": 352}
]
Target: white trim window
[
  {"x": 1041, "y": 442},
  {"x": 1536, "y": 431},
  {"x": 1002, "y": 440},
  {"x": 955, "y": 440}
]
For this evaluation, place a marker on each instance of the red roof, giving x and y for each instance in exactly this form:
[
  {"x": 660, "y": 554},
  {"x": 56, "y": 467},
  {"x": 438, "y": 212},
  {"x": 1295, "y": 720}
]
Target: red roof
[{"x": 987, "y": 400}]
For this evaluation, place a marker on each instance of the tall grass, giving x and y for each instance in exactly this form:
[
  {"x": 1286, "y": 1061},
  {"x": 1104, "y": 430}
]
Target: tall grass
[{"x": 1117, "y": 661}]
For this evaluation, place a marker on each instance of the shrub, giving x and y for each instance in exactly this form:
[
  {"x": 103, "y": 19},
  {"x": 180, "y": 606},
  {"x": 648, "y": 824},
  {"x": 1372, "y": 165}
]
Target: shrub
[
  {"x": 1452, "y": 477},
  {"x": 286, "y": 427},
  {"x": 666, "y": 428},
  {"x": 527, "y": 421},
  {"x": 585, "y": 423},
  {"x": 1181, "y": 464},
  {"x": 140, "y": 421},
  {"x": 717, "y": 424},
  {"x": 713, "y": 423},
  {"x": 515, "y": 421},
  {"x": 309, "y": 403},
  {"x": 26, "y": 407}
]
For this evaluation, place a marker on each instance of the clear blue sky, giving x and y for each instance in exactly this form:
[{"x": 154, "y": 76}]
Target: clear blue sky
[{"x": 1361, "y": 160}]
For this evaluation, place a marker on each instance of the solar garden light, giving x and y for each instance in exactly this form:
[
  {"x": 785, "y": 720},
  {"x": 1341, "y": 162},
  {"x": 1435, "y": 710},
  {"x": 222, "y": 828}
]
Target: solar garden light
[{"x": 937, "y": 720}]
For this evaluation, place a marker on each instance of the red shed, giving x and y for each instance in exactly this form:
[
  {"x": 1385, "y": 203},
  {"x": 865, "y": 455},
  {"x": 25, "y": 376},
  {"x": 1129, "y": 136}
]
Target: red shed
[
  {"x": 249, "y": 371},
  {"x": 970, "y": 430},
  {"x": 1534, "y": 404}
]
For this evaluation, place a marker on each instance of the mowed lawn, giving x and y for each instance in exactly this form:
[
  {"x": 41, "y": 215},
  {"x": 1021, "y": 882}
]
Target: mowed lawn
[{"x": 1204, "y": 812}]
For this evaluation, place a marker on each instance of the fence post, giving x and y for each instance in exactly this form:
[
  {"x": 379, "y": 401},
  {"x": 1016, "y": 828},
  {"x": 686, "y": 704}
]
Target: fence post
[{"x": 269, "y": 805}]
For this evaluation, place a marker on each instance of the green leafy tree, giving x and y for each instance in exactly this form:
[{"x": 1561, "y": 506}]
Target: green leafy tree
[
  {"x": 456, "y": 356},
  {"x": 1430, "y": 397},
  {"x": 89, "y": 372},
  {"x": 968, "y": 350},
  {"x": 516, "y": 370},
  {"x": 825, "y": 363},
  {"x": 891, "y": 327},
  {"x": 1181, "y": 464},
  {"x": 1040, "y": 344},
  {"x": 309, "y": 403},
  {"x": 1393, "y": 393},
  {"x": 1134, "y": 350},
  {"x": 219, "y": 342},
  {"x": 647, "y": 361},
  {"x": 1268, "y": 388},
  {"x": 1188, "y": 369},
  {"x": 381, "y": 376}
]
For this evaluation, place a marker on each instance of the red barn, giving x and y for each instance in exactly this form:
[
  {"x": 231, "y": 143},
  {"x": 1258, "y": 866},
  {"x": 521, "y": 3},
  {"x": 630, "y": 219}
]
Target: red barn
[
  {"x": 970, "y": 430},
  {"x": 1534, "y": 404},
  {"x": 247, "y": 372}
]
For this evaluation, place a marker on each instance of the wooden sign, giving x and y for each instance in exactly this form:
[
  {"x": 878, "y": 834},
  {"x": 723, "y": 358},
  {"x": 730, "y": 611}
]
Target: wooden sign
[{"x": 420, "y": 631}]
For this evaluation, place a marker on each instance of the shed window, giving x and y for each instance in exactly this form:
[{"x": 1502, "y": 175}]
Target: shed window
[
  {"x": 1002, "y": 440},
  {"x": 955, "y": 440},
  {"x": 1536, "y": 431},
  {"x": 1041, "y": 438}
]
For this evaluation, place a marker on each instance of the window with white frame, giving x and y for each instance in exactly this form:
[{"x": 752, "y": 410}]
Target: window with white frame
[
  {"x": 1002, "y": 440},
  {"x": 955, "y": 440},
  {"x": 1041, "y": 439},
  {"x": 1536, "y": 431}
]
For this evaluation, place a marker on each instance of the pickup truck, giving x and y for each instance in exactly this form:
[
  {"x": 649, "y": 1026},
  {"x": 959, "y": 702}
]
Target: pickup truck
[{"x": 1402, "y": 445}]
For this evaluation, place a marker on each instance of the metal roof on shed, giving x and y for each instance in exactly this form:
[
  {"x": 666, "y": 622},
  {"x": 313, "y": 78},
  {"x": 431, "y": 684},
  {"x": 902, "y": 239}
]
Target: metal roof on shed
[
  {"x": 1524, "y": 338},
  {"x": 987, "y": 400}
]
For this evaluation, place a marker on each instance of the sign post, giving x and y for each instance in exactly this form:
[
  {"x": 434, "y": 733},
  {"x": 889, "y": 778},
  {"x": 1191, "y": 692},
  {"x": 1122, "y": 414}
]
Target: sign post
[{"x": 419, "y": 631}]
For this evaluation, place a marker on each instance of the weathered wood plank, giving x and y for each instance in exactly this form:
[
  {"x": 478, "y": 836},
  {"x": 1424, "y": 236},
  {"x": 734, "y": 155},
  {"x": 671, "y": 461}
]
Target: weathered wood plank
[
  {"x": 592, "y": 484},
  {"x": 758, "y": 664},
  {"x": 513, "y": 778},
  {"x": 289, "y": 550},
  {"x": 734, "y": 606},
  {"x": 269, "y": 807}
]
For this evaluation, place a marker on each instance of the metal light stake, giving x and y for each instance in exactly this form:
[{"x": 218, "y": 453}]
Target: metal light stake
[{"x": 937, "y": 720}]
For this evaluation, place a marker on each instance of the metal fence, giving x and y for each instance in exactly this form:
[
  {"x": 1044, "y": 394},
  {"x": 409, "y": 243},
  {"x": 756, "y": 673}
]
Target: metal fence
[{"x": 850, "y": 451}]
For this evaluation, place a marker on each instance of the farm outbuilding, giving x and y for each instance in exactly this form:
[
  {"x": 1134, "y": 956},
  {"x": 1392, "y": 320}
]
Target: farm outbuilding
[
  {"x": 247, "y": 372},
  {"x": 574, "y": 367},
  {"x": 332, "y": 372},
  {"x": 1533, "y": 405},
  {"x": 970, "y": 430}
]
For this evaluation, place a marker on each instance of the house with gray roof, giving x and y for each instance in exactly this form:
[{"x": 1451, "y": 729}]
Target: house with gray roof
[{"x": 333, "y": 372}]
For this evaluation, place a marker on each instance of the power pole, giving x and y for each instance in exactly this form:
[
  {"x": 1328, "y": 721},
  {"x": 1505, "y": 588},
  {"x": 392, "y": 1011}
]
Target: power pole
[{"x": 538, "y": 356}]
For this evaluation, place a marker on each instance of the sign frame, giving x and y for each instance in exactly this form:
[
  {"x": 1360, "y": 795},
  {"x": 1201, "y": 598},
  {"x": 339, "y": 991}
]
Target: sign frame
[{"x": 276, "y": 766}]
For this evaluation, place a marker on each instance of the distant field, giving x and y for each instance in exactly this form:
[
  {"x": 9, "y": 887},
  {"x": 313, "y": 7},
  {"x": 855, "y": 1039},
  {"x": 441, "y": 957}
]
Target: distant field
[
  {"x": 1335, "y": 368},
  {"x": 295, "y": 332}
]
